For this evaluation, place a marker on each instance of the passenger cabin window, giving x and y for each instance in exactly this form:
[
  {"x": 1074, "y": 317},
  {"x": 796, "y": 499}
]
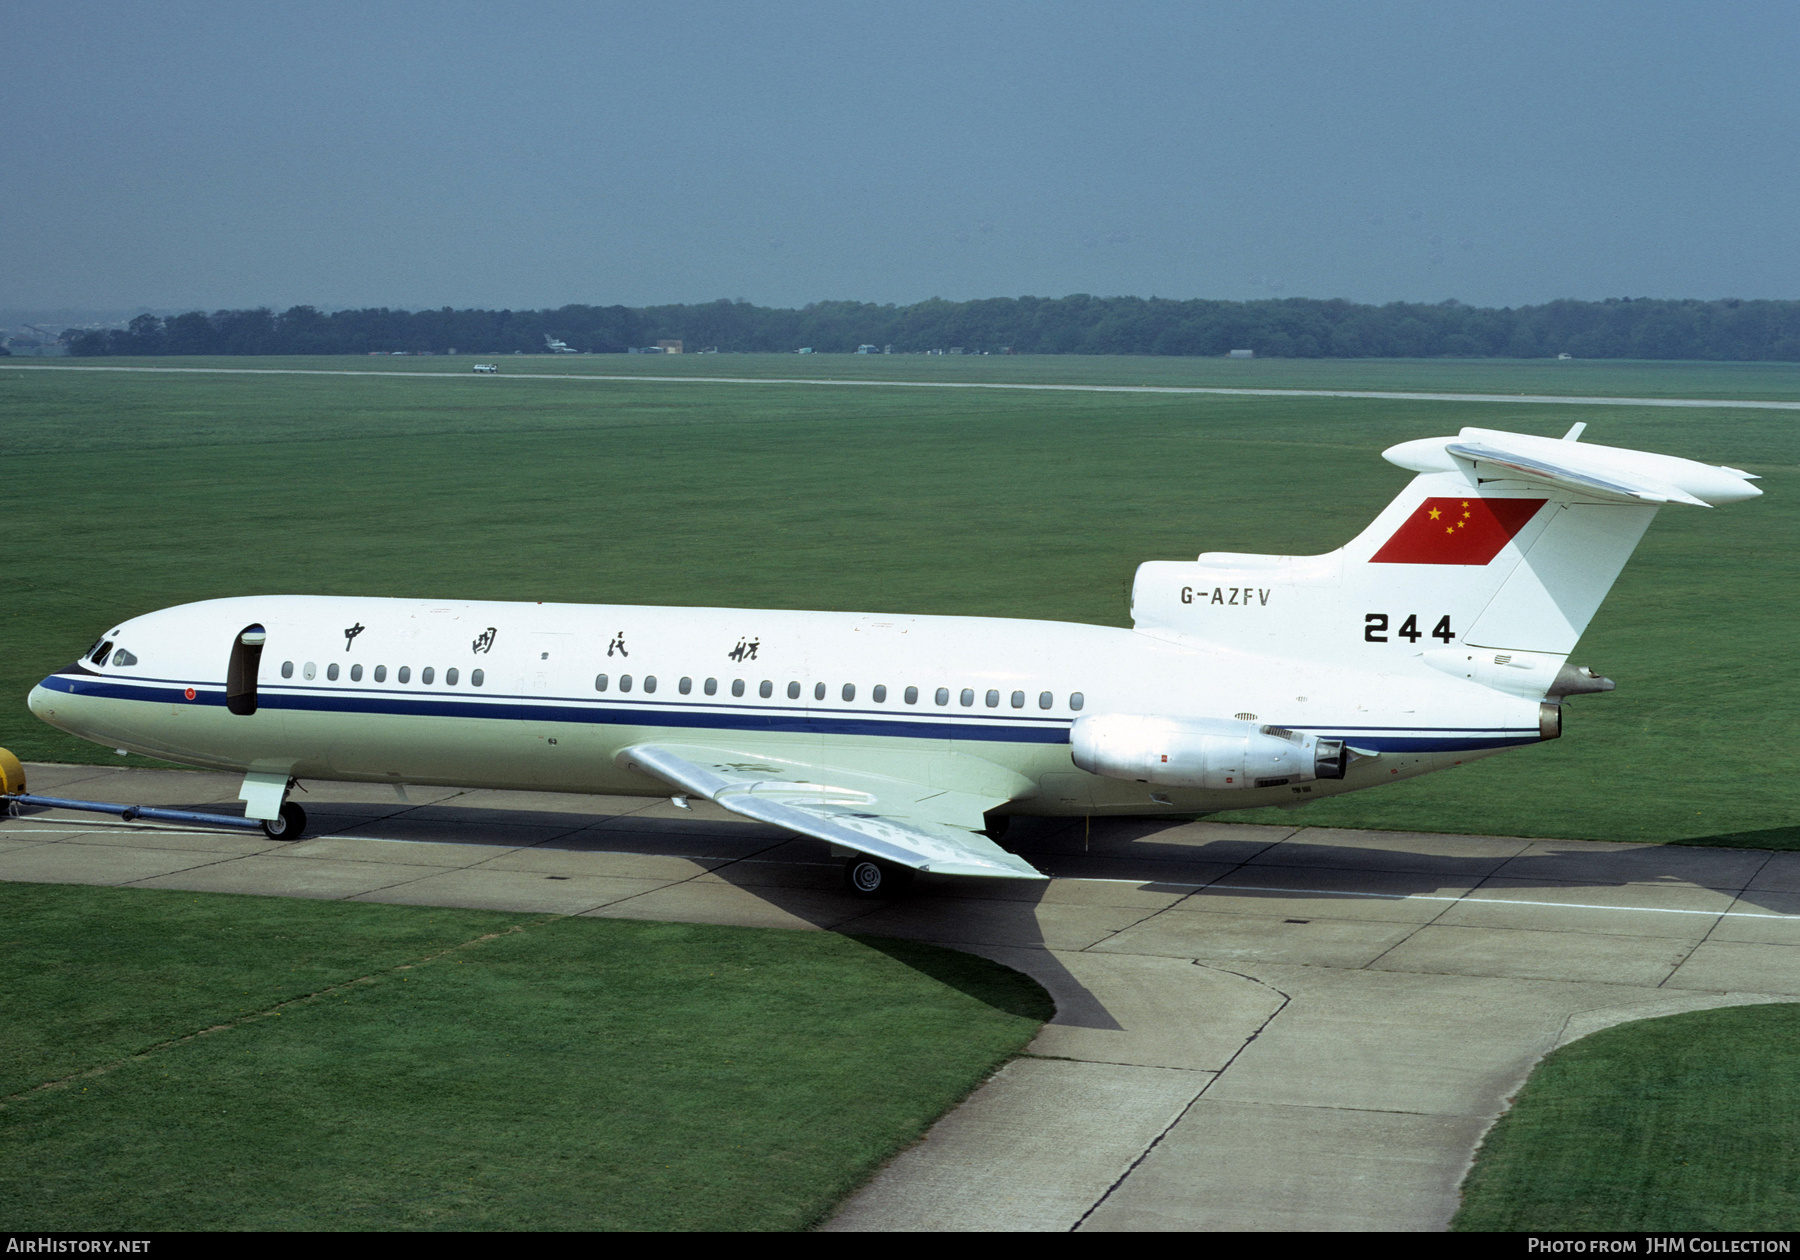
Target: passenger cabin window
[
  {"x": 766, "y": 690},
  {"x": 1076, "y": 700},
  {"x": 476, "y": 677},
  {"x": 427, "y": 674},
  {"x": 967, "y": 697},
  {"x": 624, "y": 682},
  {"x": 287, "y": 669},
  {"x": 1018, "y": 699},
  {"x": 712, "y": 686},
  {"x": 685, "y": 686},
  {"x": 943, "y": 695},
  {"x": 599, "y": 682},
  {"x": 380, "y": 673},
  {"x": 331, "y": 671},
  {"x": 849, "y": 692},
  {"x": 310, "y": 671},
  {"x": 993, "y": 699},
  {"x": 818, "y": 691},
  {"x": 649, "y": 683},
  {"x": 1045, "y": 699},
  {"x": 793, "y": 691},
  {"x": 737, "y": 686},
  {"x": 122, "y": 657},
  {"x": 356, "y": 673},
  {"x": 450, "y": 676},
  {"x": 405, "y": 674},
  {"x": 911, "y": 695},
  {"x": 880, "y": 693}
]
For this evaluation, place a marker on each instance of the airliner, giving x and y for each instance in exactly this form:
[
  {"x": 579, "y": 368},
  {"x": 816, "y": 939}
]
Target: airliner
[{"x": 1437, "y": 636}]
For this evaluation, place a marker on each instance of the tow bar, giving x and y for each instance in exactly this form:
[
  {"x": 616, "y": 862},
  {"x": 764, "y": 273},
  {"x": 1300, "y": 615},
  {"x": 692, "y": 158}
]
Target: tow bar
[
  {"x": 132, "y": 813},
  {"x": 13, "y": 795}
]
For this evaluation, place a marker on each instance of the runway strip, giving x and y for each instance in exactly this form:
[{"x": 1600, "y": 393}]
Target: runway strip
[
  {"x": 1751, "y": 404},
  {"x": 1258, "y": 1028}
]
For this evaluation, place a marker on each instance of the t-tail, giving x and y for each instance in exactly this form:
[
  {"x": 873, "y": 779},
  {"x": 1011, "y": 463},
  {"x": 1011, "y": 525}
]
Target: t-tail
[{"x": 1488, "y": 566}]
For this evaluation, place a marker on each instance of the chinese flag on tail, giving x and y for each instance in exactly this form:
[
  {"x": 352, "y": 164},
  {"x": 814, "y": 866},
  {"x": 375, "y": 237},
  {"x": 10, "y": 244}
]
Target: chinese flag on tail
[{"x": 1457, "y": 531}]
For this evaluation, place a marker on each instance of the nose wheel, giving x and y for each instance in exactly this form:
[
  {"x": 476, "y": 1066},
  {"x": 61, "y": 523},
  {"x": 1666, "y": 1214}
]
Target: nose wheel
[
  {"x": 869, "y": 877},
  {"x": 287, "y": 827}
]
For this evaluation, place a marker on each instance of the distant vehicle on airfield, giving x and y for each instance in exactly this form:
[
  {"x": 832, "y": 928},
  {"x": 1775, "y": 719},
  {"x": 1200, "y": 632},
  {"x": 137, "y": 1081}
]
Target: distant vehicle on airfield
[
  {"x": 1438, "y": 635},
  {"x": 486, "y": 367}
]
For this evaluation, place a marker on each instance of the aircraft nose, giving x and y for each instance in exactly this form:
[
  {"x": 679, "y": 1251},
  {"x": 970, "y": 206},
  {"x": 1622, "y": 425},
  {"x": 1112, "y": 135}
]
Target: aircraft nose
[{"x": 42, "y": 702}]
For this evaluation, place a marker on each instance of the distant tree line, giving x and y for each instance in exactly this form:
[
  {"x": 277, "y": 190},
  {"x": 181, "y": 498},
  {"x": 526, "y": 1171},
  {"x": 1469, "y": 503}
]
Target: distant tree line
[{"x": 1618, "y": 328}]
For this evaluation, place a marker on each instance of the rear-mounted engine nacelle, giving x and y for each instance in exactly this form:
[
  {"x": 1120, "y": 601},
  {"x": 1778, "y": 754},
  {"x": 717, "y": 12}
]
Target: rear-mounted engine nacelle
[{"x": 1215, "y": 753}]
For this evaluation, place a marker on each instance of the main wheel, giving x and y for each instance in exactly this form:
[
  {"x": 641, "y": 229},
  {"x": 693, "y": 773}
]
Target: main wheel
[
  {"x": 868, "y": 877},
  {"x": 289, "y": 826}
]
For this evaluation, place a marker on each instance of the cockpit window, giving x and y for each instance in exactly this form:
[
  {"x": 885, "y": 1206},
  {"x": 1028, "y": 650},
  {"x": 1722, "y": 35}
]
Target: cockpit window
[
  {"x": 100, "y": 650},
  {"x": 122, "y": 657}
]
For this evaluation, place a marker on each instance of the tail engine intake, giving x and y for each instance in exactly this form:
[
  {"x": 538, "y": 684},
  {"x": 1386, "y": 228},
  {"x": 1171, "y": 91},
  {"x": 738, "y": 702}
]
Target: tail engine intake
[{"x": 1213, "y": 753}]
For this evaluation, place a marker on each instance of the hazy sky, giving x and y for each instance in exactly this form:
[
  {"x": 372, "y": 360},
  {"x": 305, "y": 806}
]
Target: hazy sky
[{"x": 209, "y": 155}]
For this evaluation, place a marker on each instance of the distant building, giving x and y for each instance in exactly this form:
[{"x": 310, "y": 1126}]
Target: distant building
[
  {"x": 1241, "y": 354},
  {"x": 887, "y": 349},
  {"x": 868, "y": 350},
  {"x": 669, "y": 347}
]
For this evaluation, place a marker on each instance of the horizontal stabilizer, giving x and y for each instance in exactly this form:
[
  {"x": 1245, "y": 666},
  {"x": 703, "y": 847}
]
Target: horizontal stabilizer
[
  {"x": 1589, "y": 472},
  {"x": 1612, "y": 485}
]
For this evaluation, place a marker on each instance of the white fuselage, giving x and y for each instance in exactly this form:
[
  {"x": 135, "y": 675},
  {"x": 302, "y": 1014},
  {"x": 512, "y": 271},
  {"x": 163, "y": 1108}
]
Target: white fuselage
[{"x": 360, "y": 689}]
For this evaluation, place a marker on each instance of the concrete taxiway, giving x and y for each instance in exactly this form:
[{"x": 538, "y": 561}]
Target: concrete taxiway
[
  {"x": 600, "y": 377},
  {"x": 1257, "y": 1027}
]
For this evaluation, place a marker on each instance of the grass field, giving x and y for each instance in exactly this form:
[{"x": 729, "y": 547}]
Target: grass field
[
  {"x": 376, "y": 1067},
  {"x": 1677, "y": 1124},
  {"x": 128, "y": 492}
]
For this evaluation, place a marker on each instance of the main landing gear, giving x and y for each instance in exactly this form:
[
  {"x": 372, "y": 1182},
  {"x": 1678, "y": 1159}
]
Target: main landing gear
[
  {"x": 871, "y": 877},
  {"x": 287, "y": 827}
]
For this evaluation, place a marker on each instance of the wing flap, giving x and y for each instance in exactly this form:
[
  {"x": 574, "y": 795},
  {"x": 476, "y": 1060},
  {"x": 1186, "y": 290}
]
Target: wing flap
[{"x": 894, "y": 819}]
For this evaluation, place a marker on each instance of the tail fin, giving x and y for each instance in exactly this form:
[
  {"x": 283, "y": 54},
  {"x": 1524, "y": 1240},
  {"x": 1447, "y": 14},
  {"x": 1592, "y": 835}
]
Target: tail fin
[{"x": 1503, "y": 542}]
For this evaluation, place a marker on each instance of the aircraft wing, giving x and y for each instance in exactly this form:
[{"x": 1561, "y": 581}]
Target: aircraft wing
[{"x": 899, "y": 821}]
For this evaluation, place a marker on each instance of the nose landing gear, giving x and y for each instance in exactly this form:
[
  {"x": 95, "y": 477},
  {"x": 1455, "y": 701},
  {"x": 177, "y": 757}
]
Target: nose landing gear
[{"x": 289, "y": 826}]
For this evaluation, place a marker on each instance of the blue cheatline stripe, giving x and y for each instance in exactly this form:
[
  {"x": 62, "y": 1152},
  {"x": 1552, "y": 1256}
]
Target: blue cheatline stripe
[{"x": 747, "y": 719}]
